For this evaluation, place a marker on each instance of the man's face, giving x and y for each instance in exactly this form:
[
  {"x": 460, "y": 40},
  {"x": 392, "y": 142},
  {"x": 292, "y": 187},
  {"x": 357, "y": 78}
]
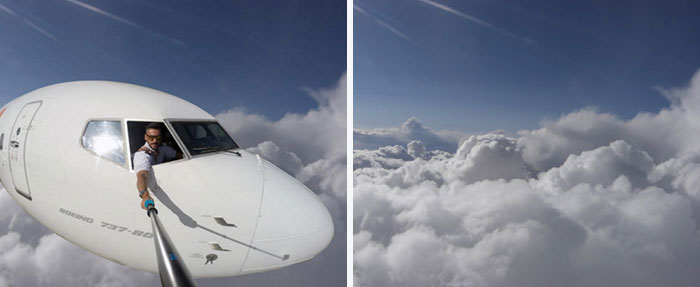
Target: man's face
[{"x": 153, "y": 138}]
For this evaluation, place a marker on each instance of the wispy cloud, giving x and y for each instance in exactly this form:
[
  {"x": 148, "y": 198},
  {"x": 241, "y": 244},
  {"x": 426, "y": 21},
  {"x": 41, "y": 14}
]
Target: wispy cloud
[
  {"x": 478, "y": 21},
  {"x": 104, "y": 13},
  {"x": 29, "y": 23},
  {"x": 382, "y": 23}
]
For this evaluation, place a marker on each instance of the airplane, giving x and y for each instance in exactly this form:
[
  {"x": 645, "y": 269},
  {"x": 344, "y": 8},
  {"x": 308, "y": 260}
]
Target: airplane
[{"x": 66, "y": 158}]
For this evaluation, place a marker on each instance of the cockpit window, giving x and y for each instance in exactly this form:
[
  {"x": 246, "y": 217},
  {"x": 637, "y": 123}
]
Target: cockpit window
[
  {"x": 105, "y": 139},
  {"x": 203, "y": 137},
  {"x": 136, "y": 131}
]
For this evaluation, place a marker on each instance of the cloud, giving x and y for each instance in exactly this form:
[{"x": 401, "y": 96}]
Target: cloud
[
  {"x": 388, "y": 157},
  {"x": 411, "y": 130},
  {"x": 310, "y": 146},
  {"x": 587, "y": 200},
  {"x": 488, "y": 156},
  {"x": 318, "y": 134},
  {"x": 672, "y": 132},
  {"x": 31, "y": 255}
]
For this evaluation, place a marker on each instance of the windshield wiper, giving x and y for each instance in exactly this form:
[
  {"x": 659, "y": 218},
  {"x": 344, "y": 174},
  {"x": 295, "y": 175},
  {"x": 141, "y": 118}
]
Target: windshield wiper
[
  {"x": 207, "y": 149},
  {"x": 232, "y": 151},
  {"x": 203, "y": 150}
]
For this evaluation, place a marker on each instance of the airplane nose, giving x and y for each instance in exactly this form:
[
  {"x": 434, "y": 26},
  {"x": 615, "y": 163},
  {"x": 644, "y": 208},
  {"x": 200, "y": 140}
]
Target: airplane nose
[{"x": 293, "y": 224}]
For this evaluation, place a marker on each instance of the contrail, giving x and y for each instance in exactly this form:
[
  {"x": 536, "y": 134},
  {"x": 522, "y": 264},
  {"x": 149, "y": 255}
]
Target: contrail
[
  {"x": 29, "y": 23},
  {"x": 478, "y": 21},
  {"x": 40, "y": 30},
  {"x": 122, "y": 20},
  {"x": 8, "y": 10},
  {"x": 104, "y": 13},
  {"x": 382, "y": 23}
]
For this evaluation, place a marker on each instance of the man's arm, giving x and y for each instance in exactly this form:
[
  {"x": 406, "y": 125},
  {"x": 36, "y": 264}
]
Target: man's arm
[
  {"x": 142, "y": 185},
  {"x": 142, "y": 166}
]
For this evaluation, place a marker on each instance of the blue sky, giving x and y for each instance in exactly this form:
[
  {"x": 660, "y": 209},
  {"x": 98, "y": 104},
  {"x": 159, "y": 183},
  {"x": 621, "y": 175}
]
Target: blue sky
[
  {"x": 217, "y": 54},
  {"x": 479, "y": 65}
]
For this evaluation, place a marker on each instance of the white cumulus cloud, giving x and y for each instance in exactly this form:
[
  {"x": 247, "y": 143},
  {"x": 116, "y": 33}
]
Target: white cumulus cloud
[
  {"x": 411, "y": 130},
  {"x": 587, "y": 200},
  {"x": 31, "y": 255}
]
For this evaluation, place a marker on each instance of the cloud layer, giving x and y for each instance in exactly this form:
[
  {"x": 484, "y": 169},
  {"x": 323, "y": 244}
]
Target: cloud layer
[
  {"x": 409, "y": 131},
  {"x": 587, "y": 200},
  {"x": 31, "y": 255},
  {"x": 309, "y": 146}
]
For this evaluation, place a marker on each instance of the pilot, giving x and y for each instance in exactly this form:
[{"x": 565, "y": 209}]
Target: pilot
[{"x": 151, "y": 153}]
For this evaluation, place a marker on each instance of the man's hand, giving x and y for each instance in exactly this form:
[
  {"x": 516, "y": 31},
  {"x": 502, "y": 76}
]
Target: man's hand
[
  {"x": 145, "y": 198},
  {"x": 149, "y": 152}
]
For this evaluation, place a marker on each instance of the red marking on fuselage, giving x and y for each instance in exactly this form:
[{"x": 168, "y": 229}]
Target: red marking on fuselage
[{"x": 3, "y": 110}]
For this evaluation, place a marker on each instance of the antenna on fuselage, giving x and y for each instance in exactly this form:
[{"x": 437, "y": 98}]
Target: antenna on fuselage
[{"x": 173, "y": 271}]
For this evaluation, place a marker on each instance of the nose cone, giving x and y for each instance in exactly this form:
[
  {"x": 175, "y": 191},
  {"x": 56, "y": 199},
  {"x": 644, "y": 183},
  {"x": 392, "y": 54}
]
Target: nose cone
[{"x": 293, "y": 226}]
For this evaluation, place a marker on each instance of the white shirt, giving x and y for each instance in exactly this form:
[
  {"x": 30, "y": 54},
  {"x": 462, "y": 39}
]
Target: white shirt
[{"x": 144, "y": 161}]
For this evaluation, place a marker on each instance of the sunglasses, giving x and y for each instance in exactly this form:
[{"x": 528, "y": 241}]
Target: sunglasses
[{"x": 154, "y": 137}]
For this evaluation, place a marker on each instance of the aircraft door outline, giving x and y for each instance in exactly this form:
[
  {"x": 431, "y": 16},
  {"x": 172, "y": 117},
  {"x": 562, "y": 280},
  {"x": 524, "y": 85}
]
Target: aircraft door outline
[{"x": 18, "y": 141}]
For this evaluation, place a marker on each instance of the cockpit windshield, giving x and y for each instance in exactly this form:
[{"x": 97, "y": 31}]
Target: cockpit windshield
[{"x": 203, "y": 137}]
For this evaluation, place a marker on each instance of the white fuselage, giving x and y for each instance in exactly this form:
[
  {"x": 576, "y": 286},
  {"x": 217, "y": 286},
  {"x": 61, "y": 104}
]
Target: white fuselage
[{"x": 92, "y": 201}]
